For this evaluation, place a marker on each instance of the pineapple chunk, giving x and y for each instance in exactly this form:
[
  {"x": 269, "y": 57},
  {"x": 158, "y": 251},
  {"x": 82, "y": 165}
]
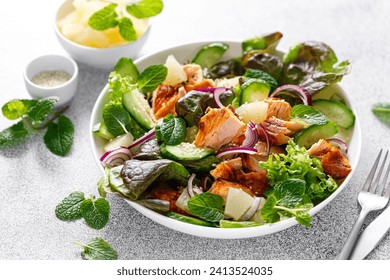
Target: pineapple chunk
[
  {"x": 254, "y": 111},
  {"x": 176, "y": 74},
  {"x": 237, "y": 203}
]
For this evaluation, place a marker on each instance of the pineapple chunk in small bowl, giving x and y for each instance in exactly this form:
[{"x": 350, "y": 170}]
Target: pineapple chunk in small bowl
[{"x": 100, "y": 49}]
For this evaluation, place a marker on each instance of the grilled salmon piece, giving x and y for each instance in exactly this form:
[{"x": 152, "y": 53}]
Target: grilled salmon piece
[
  {"x": 335, "y": 164},
  {"x": 221, "y": 187},
  {"x": 231, "y": 171},
  {"x": 164, "y": 100},
  {"x": 218, "y": 127},
  {"x": 279, "y": 131},
  {"x": 278, "y": 108},
  {"x": 164, "y": 192},
  {"x": 251, "y": 162},
  {"x": 195, "y": 78}
]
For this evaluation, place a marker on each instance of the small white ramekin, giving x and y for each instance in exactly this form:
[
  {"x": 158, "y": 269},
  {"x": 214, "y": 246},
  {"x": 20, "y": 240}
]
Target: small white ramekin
[{"x": 65, "y": 91}]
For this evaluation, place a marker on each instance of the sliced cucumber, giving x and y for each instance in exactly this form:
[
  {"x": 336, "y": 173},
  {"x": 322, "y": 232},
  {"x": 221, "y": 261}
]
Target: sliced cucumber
[
  {"x": 188, "y": 220},
  {"x": 210, "y": 54},
  {"x": 124, "y": 140},
  {"x": 236, "y": 224},
  {"x": 254, "y": 90},
  {"x": 258, "y": 74},
  {"x": 336, "y": 112},
  {"x": 126, "y": 67},
  {"x": 101, "y": 130},
  {"x": 138, "y": 107},
  {"x": 313, "y": 133},
  {"x": 185, "y": 151}
]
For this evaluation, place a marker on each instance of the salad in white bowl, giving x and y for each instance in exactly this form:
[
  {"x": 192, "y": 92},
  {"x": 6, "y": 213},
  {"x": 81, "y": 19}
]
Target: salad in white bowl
[{"x": 210, "y": 136}]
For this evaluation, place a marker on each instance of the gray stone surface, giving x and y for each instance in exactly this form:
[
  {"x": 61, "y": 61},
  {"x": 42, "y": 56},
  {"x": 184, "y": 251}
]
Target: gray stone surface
[{"x": 33, "y": 181}]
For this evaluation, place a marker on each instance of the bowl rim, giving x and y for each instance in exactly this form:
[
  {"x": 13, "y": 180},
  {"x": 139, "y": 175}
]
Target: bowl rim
[
  {"x": 87, "y": 48},
  {"x": 226, "y": 233}
]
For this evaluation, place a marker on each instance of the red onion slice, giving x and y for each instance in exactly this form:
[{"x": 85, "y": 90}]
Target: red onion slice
[
  {"x": 116, "y": 156},
  {"x": 204, "y": 181},
  {"x": 264, "y": 132},
  {"x": 295, "y": 90},
  {"x": 343, "y": 146},
  {"x": 236, "y": 150},
  {"x": 217, "y": 93},
  {"x": 147, "y": 136},
  {"x": 252, "y": 210},
  {"x": 190, "y": 188},
  {"x": 212, "y": 90},
  {"x": 251, "y": 136}
]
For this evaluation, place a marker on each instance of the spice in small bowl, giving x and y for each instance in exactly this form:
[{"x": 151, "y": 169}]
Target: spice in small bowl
[
  {"x": 51, "y": 78},
  {"x": 52, "y": 75}
]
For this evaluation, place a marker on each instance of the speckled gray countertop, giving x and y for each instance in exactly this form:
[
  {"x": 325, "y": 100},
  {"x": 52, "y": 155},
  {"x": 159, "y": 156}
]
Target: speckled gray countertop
[{"x": 33, "y": 181}]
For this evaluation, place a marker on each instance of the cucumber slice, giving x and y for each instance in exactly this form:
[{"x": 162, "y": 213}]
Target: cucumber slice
[
  {"x": 185, "y": 151},
  {"x": 258, "y": 74},
  {"x": 124, "y": 140},
  {"x": 138, "y": 107},
  {"x": 210, "y": 54},
  {"x": 315, "y": 132},
  {"x": 235, "y": 224},
  {"x": 188, "y": 220},
  {"x": 336, "y": 112},
  {"x": 101, "y": 130},
  {"x": 254, "y": 90},
  {"x": 126, "y": 67}
]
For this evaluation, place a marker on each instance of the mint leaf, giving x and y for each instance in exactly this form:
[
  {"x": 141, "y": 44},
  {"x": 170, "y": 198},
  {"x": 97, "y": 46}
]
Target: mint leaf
[
  {"x": 116, "y": 118},
  {"x": 16, "y": 108},
  {"x": 69, "y": 208},
  {"x": 308, "y": 114},
  {"x": 126, "y": 67},
  {"x": 151, "y": 77},
  {"x": 105, "y": 18},
  {"x": 207, "y": 206},
  {"x": 98, "y": 249},
  {"x": 382, "y": 112},
  {"x": 12, "y": 135},
  {"x": 95, "y": 212},
  {"x": 127, "y": 30},
  {"x": 59, "y": 136},
  {"x": 42, "y": 108},
  {"x": 145, "y": 8},
  {"x": 172, "y": 131}
]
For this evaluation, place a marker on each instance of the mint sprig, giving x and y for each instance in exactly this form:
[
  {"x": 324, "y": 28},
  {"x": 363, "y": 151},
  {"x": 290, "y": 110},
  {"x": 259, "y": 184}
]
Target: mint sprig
[
  {"x": 98, "y": 249},
  {"x": 69, "y": 208},
  {"x": 207, "y": 206},
  {"x": 151, "y": 77},
  {"x": 107, "y": 17},
  {"x": 35, "y": 115}
]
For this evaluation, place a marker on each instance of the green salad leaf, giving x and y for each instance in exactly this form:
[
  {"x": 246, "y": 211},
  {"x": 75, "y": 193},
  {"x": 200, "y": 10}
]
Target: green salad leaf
[
  {"x": 145, "y": 8},
  {"x": 258, "y": 74},
  {"x": 297, "y": 164},
  {"x": 238, "y": 224},
  {"x": 105, "y": 18},
  {"x": 207, "y": 206},
  {"x": 17, "y": 108},
  {"x": 382, "y": 112},
  {"x": 98, "y": 249},
  {"x": 308, "y": 114},
  {"x": 265, "y": 43},
  {"x": 69, "y": 208},
  {"x": 13, "y": 135},
  {"x": 59, "y": 136},
  {"x": 127, "y": 30},
  {"x": 95, "y": 212},
  {"x": 268, "y": 63},
  {"x": 172, "y": 131},
  {"x": 151, "y": 77},
  {"x": 116, "y": 118}
]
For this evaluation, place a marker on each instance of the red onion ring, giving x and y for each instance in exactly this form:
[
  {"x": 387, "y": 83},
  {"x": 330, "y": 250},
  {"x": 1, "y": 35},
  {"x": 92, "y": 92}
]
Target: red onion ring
[
  {"x": 236, "y": 150},
  {"x": 252, "y": 210},
  {"x": 251, "y": 136},
  {"x": 217, "y": 93},
  {"x": 343, "y": 146},
  {"x": 147, "y": 136},
  {"x": 116, "y": 156},
  {"x": 204, "y": 181},
  {"x": 190, "y": 189},
  {"x": 295, "y": 90}
]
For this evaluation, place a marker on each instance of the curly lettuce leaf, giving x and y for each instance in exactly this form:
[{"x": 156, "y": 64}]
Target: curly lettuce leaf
[{"x": 312, "y": 65}]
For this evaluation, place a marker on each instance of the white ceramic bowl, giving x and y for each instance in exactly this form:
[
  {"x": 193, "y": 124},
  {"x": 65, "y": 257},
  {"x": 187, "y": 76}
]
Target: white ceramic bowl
[
  {"x": 183, "y": 54},
  {"x": 51, "y": 62},
  {"x": 95, "y": 57}
]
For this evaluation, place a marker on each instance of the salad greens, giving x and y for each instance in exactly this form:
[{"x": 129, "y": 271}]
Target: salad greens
[
  {"x": 98, "y": 249},
  {"x": 36, "y": 115},
  {"x": 382, "y": 112},
  {"x": 234, "y": 183}
]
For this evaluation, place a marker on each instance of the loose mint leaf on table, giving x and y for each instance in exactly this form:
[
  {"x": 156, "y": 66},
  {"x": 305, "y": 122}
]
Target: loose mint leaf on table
[
  {"x": 126, "y": 67},
  {"x": 17, "y": 108},
  {"x": 207, "y": 206},
  {"x": 105, "y": 18},
  {"x": 382, "y": 112},
  {"x": 98, "y": 249},
  {"x": 145, "y": 8},
  {"x": 42, "y": 108},
  {"x": 172, "y": 131},
  {"x": 59, "y": 136},
  {"x": 13, "y": 135},
  {"x": 308, "y": 114},
  {"x": 127, "y": 30},
  {"x": 95, "y": 212},
  {"x": 151, "y": 77},
  {"x": 69, "y": 208},
  {"x": 116, "y": 118}
]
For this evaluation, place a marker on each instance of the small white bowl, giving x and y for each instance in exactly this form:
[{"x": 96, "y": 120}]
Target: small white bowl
[
  {"x": 185, "y": 53},
  {"x": 96, "y": 57},
  {"x": 52, "y": 62}
]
